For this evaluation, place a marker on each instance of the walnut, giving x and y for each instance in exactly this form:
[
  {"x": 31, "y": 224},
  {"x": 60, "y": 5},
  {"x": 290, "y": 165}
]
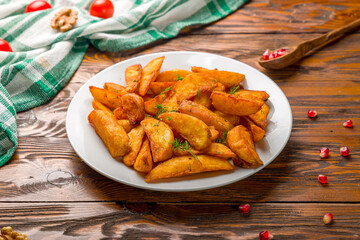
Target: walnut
[
  {"x": 7, "y": 233},
  {"x": 64, "y": 19}
]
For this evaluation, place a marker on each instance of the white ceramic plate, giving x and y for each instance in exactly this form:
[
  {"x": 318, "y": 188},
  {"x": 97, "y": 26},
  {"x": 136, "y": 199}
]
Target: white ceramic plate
[{"x": 91, "y": 149}]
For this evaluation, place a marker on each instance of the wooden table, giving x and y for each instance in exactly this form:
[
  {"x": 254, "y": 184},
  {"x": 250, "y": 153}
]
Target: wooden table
[{"x": 47, "y": 192}]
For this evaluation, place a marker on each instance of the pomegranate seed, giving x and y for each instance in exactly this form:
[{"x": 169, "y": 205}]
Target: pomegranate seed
[
  {"x": 281, "y": 50},
  {"x": 322, "y": 179},
  {"x": 345, "y": 151},
  {"x": 266, "y": 54},
  {"x": 312, "y": 113},
  {"x": 348, "y": 124},
  {"x": 328, "y": 218},
  {"x": 265, "y": 235},
  {"x": 324, "y": 152},
  {"x": 244, "y": 208}
]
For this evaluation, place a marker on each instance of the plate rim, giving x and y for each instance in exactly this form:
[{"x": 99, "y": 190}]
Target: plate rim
[{"x": 164, "y": 189}]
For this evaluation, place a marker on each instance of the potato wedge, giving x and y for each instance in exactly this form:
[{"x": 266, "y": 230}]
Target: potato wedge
[
  {"x": 151, "y": 105},
  {"x": 99, "y": 106},
  {"x": 182, "y": 166},
  {"x": 195, "y": 131},
  {"x": 161, "y": 138},
  {"x": 192, "y": 85},
  {"x": 115, "y": 88},
  {"x": 119, "y": 113},
  {"x": 228, "y": 79},
  {"x": 170, "y": 104},
  {"x": 132, "y": 77},
  {"x": 173, "y": 75},
  {"x": 220, "y": 87},
  {"x": 259, "y": 118},
  {"x": 112, "y": 134},
  {"x": 133, "y": 106},
  {"x": 136, "y": 136},
  {"x": 219, "y": 150},
  {"x": 159, "y": 87},
  {"x": 125, "y": 123},
  {"x": 249, "y": 94},
  {"x": 203, "y": 99},
  {"x": 144, "y": 162},
  {"x": 240, "y": 142},
  {"x": 233, "y": 119},
  {"x": 214, "y": 133},
  {"x": 206, "y": 115},
  {"x": 240, "y": 163},
  {"x": 235, "y": 105},
  {"x": 106, "y": 97},
  {"x": 149, "y": 74},
  {"x": 180, "y": 152},
  {"x": 257, "y": 132}
]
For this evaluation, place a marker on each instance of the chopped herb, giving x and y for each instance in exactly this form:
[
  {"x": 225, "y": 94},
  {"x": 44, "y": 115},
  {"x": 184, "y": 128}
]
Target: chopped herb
[
  {"x": 168, "y": 118},
  {"x": 138, "y": 69},
  {"x": 217, "y": 152},
  {"x": 161, "y": 109},
  {"x": 234, "y": 88},
  {"x": 214, "y": 80},
  {"x": 198, "y": 93},
  {"x": 166, "y": 89},
  {"x": 183, "y": 145},
  {"x": 135, "y": 80},
  {"x": 172, "y": 110},
  {"x": 179, "y": 77},
  {"x": 222, "y": 139},
  {"x": 156, "y": 125}
]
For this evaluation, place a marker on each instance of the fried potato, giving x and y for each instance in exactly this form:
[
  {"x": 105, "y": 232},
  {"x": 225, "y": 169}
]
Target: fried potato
[
  {"x": 219, "y": 150},
  {"x": 233, "y": 119},
  {"x": 203, "y": 99},
  {"x": 159, "y": 87},
  {"x": 235, "y": 105},
  {"x": 180, "y": 152},
  {"x": 136, "y": 136},
  {"x": 220, "y": 87},
  {"x": 170, "y": 104},
  {"x": 149, "y": 74},
  {"x": 132, "y": 77},
  {"x": 151, "y": 105},
  {"x": 112, "y": 134},
  {"x": 195, "y": 131},
  {"x": 119, "y": 113},
  {"x": 125, "y": 123},
  {"x": 161, "y": 138},
  {"x": 173, "y": 75},
  {"x": 228, "y": 79},
  {"x": 240, "y": 163},
  {"x": 182, "y": 166},
  {"x": 133, "y": 106},
  {"x": 259, "y": 118},
  {"x": 249, "y": 94},
  {"x": 144, "y": 162},
  {"x": 99, "y": 106},
  {"x": 192, "y": 85},
  {"x": 148, "y": 97},
  {"x": 116, "y": 88},
  {"x": 206, "y": 115},
  {"x": 214, "y": 133},
  {"x": 240, "y": 142},
  {"x": 106, "y": 97},
  {"x": 257, "y": 132}
]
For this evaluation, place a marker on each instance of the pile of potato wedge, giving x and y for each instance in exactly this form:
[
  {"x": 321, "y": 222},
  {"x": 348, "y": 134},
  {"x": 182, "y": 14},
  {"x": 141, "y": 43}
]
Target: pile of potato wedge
[{"x": 179, "y": 122}]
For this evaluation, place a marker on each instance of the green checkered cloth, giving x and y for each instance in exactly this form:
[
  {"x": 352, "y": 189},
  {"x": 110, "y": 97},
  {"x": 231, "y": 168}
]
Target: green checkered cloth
[{"x": 43, "y": 59}]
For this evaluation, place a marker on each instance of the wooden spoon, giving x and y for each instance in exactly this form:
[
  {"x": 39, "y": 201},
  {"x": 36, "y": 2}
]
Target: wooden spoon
[{"x": 303, "y": 48}]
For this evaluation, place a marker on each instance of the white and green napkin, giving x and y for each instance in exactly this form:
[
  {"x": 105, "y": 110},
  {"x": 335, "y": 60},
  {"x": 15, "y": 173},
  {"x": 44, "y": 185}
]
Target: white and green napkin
[{"x": 43, "y": 59}]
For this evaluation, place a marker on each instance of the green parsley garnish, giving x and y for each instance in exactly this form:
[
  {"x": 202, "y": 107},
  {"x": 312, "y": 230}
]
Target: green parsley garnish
[
  {"x": 160, "y": 109},
  {"x": 222, "y": 139},
  {"x": 183, "y": 145},
  {"x": 156, "y": 125},
  {"x": 198, "y": 93},
  {"x": 166, "y": 89},
  {"x": 234, "y": 88},
  {"x": 179, "y": 77},
  {"x": 135, "y": 80},
  {"x": 168, "y": 118}
]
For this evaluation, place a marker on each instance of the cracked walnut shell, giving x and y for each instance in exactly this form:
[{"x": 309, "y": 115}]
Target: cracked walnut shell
[{"x": 64, "y": 19}]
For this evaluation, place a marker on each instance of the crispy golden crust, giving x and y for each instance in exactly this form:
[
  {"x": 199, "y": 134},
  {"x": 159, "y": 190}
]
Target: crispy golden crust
[
  {"x": 149, "y": 74},
  {"x": 133, "y": 107},
  {"x": 136, "y": 136},
  {"x": 228, "y": 79}
]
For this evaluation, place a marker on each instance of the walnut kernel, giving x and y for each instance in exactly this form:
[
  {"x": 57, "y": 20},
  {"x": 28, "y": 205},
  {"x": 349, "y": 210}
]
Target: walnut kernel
[{"x": 64, "y": 19}]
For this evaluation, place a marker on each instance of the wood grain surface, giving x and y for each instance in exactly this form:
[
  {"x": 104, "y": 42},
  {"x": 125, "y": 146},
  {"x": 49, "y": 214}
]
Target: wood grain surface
[{"x": 47, "y": 192}]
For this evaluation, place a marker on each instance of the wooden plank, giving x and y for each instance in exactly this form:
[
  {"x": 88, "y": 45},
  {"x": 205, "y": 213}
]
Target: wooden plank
[
  {"x": 47, "y": 169},
  {"x": 162, "y": 221},
  {"x": 286, "y": 16}
]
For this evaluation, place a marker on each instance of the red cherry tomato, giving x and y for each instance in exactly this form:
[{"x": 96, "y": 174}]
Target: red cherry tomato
[
  {"x": 102, "y": 9},
  {"x": 37, "y": 5},
  {"x": 5, "y": 46}
]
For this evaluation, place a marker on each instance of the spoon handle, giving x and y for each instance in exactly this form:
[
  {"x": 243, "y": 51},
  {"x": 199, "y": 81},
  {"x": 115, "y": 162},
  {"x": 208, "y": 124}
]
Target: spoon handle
[{"x": 329, "y": 37}]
